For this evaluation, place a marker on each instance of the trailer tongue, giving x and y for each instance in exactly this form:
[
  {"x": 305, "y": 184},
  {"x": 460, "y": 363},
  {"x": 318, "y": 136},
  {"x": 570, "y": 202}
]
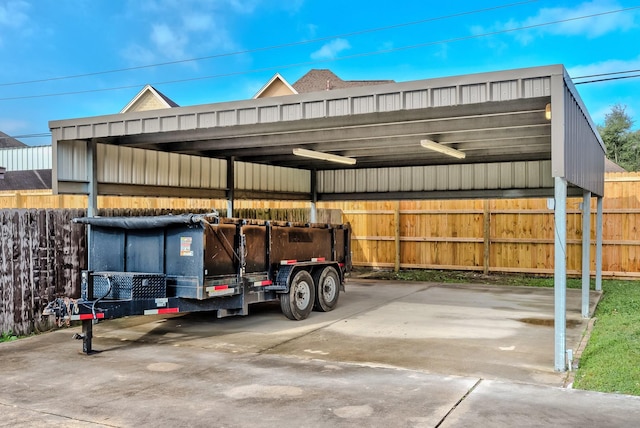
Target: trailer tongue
[{"x": 188, "y": 263}]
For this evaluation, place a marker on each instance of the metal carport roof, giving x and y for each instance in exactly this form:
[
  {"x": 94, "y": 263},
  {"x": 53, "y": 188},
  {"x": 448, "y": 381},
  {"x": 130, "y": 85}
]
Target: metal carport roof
[{"x": 245, "y": 149}]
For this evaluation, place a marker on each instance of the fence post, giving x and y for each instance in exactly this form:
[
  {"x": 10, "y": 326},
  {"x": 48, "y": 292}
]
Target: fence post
[
  {"x": 487, "y": 235},
  {"x": 396, "y": 220},
  {"x": 19, "y": 200}
]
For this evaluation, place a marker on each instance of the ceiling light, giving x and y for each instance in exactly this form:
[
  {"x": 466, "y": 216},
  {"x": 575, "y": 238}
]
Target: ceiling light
[
  {"x": 437, "y": 147},
  {"x": 324, "y": 156}
]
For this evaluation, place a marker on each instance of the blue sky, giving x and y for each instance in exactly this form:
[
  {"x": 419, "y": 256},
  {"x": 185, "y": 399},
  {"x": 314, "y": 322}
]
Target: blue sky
[{"x": 44, "y": 40}]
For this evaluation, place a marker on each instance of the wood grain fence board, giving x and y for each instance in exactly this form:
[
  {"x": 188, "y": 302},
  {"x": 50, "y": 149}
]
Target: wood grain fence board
[{"x": 6, "y": 273}]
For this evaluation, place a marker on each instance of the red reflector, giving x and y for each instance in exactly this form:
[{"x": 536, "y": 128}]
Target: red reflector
[
  {"x": 341, "y": 264},
  {"x": 288, "y": 262},
  {"x": 83, "y": 317},
  {"x": 261, "y": 283},
  {"x": 161, "y": 311},
  {"x": 318, "y": 259},
  {"x": 220, "y": 287}
]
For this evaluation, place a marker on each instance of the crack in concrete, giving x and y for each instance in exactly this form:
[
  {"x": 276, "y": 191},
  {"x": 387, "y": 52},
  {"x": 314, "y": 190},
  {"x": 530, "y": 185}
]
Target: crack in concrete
[
  {"x": 42, "y": 412},
  {"x": 455, "y": 406}
]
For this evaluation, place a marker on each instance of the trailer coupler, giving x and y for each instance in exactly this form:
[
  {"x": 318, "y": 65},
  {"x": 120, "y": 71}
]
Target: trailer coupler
[{"x": 65, "y": 310}]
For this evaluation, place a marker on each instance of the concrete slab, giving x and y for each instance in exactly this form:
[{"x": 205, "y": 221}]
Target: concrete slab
[
  {"x": 149, "y": 385},
  {"x": 498, "y": 404},
  {"x": 468, "y": 330},
  {"x": 391, "y": 354}
]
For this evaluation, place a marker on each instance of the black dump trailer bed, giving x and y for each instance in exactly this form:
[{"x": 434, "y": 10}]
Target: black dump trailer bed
[{"x": 186, "y": 263}]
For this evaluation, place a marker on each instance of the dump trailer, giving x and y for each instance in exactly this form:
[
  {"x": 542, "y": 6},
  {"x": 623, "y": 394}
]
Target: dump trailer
[{"x": 186, "y": 263}]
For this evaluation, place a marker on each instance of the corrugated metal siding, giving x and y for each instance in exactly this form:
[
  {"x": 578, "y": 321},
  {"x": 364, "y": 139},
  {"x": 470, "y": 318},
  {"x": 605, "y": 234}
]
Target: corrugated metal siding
[
  {"x": 339, "y": 107},
  {"x": 125, "y": 165},
  {"x": 390, "y": 102},
  {"x": 505, "y": 175},
  {"x": 584, "y": 157},
  {"x": 538, "y": 87},
  {"x": 269, "y": 114},
  {"x": 444, "y": 97},
  {"x": 473, "y": 93},
  {"x": 504, "y": 91},
  {"x": 416, "y": 99},
  {"x": 26, "y": 158},
  {"x": 314, "y": 109},
  {"x": 256, "y": 177},
  {"x": 363, "y": 105},
  {"x": 291, "y": 112}
]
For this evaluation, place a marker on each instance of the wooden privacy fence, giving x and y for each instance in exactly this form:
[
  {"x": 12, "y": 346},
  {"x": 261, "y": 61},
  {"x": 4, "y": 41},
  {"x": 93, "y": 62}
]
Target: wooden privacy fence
[
  {"x": 42, "y": 253},
  {"x": 495, "y": 235}
]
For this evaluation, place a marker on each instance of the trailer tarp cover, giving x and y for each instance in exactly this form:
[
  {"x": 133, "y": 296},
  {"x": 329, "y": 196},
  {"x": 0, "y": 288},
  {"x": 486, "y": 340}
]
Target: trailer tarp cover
[{"x": 144, "y": 222}]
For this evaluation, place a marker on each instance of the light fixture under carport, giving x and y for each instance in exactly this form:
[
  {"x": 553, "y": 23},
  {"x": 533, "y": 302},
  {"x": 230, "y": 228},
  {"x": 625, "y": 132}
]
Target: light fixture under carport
[
  {"x": 437, "y": 147},
  {"x": 324, "y": 156}
]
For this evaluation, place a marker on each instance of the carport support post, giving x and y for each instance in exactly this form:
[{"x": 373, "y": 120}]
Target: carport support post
[
  {"x": 92, "y": 210},
  {"x": 560, "y": 273},
  {"x": 313, "y": 216},
  {"x": 586, "y": 251},
  {"x": 231, "y": 184},
  {"x": 599, "y": 245}
]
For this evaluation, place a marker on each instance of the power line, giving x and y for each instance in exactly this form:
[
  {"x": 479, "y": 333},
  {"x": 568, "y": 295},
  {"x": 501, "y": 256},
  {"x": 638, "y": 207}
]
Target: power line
[
  {"x": 605, "y": 74},
  {"x": 309, "y": 63},
  {"x": 273, "y": 47},
  {"x": 608, "y": 79}
]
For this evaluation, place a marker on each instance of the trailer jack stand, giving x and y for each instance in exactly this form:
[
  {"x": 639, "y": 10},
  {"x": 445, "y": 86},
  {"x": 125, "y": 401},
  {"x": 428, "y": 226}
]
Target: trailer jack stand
[{"x": 87, "y": 335}]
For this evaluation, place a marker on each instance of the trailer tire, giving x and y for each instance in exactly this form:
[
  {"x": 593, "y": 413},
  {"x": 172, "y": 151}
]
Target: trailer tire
[
  {"x": 327, "y": 284},
  {"x": 298, "y": 303}
]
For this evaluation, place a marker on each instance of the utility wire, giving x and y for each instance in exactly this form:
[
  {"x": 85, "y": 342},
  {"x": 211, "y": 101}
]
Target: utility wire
[
  {"x": 308, "y": 63},
  {"x": 605, "y": 74},
  {"x": 274, "y": 47},
  {"x": 607, "y": 79},
  {"x": 48, "y": 134}
]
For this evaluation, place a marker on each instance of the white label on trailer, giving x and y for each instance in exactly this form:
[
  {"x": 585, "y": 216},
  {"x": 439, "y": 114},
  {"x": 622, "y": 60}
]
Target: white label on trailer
[
  {"x": 163, "y": 302},
  {"x": 185, "y": 246}
]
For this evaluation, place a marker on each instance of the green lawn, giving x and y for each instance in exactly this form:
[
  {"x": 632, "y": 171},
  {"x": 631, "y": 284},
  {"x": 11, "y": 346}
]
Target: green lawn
[{"x": 611, "y": 360}]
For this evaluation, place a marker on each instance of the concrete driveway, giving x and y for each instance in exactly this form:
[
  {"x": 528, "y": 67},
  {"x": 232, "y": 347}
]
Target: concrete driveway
[{"x": 391, "y": 354}]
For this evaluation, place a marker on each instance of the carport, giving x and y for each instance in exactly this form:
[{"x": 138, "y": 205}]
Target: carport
[{"x": 507, "y": 134}]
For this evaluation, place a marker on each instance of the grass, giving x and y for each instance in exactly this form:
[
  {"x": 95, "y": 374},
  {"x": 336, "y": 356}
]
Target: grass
[
  {"x": 447, "y": 276},
  {"x": 7, "y": 337},
  {"x": 611, "y": 359}
]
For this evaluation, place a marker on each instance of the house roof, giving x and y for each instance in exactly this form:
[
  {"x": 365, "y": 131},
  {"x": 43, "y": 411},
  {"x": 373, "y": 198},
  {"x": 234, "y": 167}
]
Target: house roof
[
  {"x": 611, "y": 166},
  {"x": 325, "y": 80},
  {"x": 35, "y": 179},
  {"x": 7, "y": 141},
  {"x": 276, "y": 86},
  {"x": 149, "y": 98}
]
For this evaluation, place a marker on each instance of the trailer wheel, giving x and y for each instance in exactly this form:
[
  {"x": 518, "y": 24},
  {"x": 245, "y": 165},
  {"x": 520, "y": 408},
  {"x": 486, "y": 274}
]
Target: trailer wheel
[
  {"x": 328, "y": 289},
  {"x": 298, "y": 302}
]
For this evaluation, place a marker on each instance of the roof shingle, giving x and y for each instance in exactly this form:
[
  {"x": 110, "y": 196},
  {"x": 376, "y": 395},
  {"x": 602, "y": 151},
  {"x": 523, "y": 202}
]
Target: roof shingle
[{"x": 325, "y": 80}]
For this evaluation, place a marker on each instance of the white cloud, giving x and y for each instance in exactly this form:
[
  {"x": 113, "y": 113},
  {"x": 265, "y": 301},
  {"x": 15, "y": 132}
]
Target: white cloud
[
  {"x": 608, "y": 66},
  {"x": 331, "y": 50},
  {"x": 13, "y": 126},
  {"x": 137, "y": 54},
  {"x": 13, "y": 17},
  {"x": 169, "y": 42},
  {"x": 13, "y": 13},
  {"x": 197, "y": 22},
  {"x": 588, "y": 27}
]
